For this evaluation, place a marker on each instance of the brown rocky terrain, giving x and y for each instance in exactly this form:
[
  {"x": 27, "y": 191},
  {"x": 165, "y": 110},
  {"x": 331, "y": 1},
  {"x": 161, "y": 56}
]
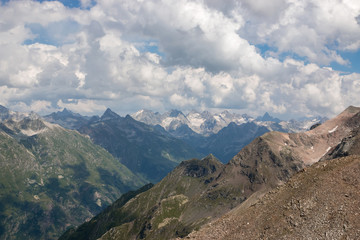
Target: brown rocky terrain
[{"x": 321, "y": 202}]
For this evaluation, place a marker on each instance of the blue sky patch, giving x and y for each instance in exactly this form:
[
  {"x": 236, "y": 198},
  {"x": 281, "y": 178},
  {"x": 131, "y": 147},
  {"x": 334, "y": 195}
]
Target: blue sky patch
[
  {"x": 266, "y": 50},
  {"x": 56, "y": 33},
  {"x": 354, "y": 62},
  {"x": 67, "y": 3},
  {"x": 149, "y": 46}
]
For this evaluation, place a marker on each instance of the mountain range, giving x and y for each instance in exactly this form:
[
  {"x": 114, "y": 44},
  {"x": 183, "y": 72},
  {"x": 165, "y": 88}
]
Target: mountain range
[
  {"x": 222, "y": 134},
  {"x": 52, "y": 178},
  {"x": 147, "y": 152},
  {"x": 200, "y": 191},
  {"x": 206, "y": 123}
]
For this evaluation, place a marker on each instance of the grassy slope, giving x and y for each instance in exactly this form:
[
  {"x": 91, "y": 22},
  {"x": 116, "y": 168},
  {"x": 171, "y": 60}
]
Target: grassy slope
[{"x": 55, "y": 179}]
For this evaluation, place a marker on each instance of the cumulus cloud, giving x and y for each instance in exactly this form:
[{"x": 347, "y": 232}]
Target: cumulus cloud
[
  {"x": 183, "y": 54},
  {"x": 311, "y": 29}
]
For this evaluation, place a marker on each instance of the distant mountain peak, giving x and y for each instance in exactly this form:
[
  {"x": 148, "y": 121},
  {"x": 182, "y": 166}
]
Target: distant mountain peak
[
  {"x": 3, "y": 109},
  {"x": 109, "y": 114},
  {"x": 175, "y": 113},
  {"x": 65, "y": 110},
  {"x": 129, "y": 117},
  {"x": 268, "y": 118},
  {"x": 4, "y": 113},
  {"x": 65, "y": 113}
]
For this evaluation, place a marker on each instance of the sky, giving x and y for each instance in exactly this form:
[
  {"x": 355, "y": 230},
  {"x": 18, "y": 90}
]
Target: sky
[{"x": 290, "y": 58}]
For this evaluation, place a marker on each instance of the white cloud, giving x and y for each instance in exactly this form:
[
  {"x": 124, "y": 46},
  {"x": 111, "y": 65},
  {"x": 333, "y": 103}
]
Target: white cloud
[
  {"x": 182, "y": 101},
  {"x": 183, "y": 54},
  {"x": 311, "y": 29}
]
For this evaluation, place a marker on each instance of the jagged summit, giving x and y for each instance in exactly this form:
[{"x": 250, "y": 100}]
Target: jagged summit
[
  {"x": 66, "y": 113},
  {"x": 109, "y": 114},
  {"x": 175, "y": 113},
  {"x": 4, "y": 113},
  {"x": 3, "y": 109},
  {"x": 267, "y": 118}
]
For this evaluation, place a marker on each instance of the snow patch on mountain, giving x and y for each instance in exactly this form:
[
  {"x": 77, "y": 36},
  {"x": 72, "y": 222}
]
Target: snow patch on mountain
[
  {"x": 333, "y": 130},
  {"x": 206, "y": 123}
]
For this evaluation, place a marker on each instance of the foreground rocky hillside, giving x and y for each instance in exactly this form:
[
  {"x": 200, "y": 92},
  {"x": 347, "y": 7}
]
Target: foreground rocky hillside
[
  {"x": 52, "y": 178},
  {"x": 199, "y": 191},
  {"x": 321, "y": 202}
]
